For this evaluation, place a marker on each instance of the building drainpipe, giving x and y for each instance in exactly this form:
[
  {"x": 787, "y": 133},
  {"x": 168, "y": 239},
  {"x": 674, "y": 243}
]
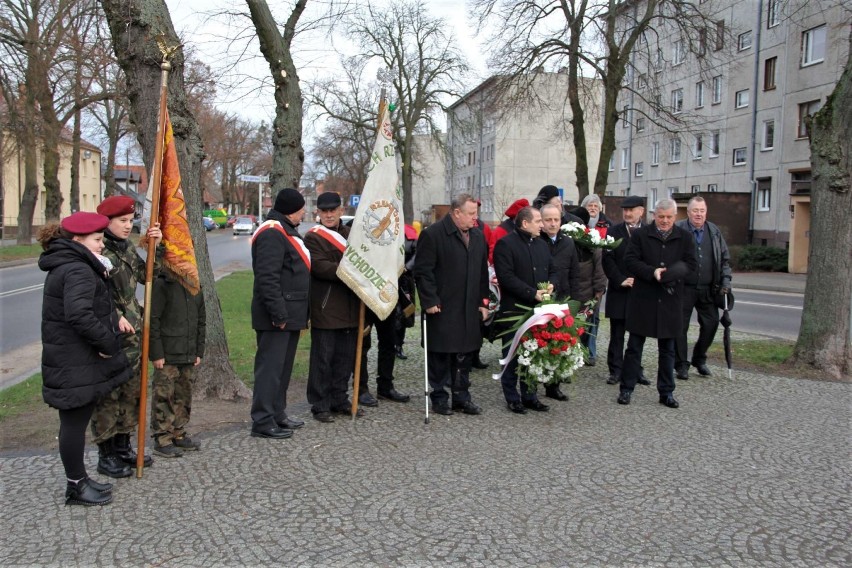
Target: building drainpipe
[{"x": 755, "y": 86}]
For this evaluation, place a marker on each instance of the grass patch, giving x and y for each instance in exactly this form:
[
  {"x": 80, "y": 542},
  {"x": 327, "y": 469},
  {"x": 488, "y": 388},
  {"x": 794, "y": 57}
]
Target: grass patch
[
  {"x": 19, "y": 252},
  {"x": 21, "y": 398},
  {"x": 235, "y": 291},
  {"x": 768, "y": 355}
]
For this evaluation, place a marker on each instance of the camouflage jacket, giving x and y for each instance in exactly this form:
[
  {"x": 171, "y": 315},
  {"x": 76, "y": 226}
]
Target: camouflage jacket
[{"x": 128, "y": 271}]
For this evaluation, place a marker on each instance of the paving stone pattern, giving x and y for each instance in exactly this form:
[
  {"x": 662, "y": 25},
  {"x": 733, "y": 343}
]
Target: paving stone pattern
[{"x": 749, "y": 472}]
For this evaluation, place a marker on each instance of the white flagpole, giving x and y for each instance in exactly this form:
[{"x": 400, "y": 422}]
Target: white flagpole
[{"x": 425, "y": 368}]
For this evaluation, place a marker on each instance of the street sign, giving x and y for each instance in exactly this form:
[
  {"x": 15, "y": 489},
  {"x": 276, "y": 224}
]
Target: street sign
[
  {"x": 354, "y": 200},
  {"x": 254, "y": 179}
]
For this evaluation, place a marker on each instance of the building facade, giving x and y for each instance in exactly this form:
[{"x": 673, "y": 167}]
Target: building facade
[
  {"x": 500, "y": 153},
  {"x": 741, "y": 89}
]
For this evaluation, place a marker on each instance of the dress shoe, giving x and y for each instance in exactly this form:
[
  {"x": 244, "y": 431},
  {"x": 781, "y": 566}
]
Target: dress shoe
[
  {"x": 703, "y": 370},
  {"x": 613, "y": 380},
  {"x": 643, "y": 381},
  {"x": 324, "y": 417},
  {"x": 554, "y": 392},
  {"x": 366, "y": 399},
  {"x": 516, "y": 407},
  {"x": 669, "y": 400},
  {"x": 83, "y": 493},
  {"x": 468, "y": 407},
  {"x": 591, "y": 362},
  {"x": 400, "y": 354},
  {"x": 394, "y": 395},
  {"x": 291, "y": 423},
  {"x": 478, "y": 364},
  {"x": 683, "y": 374},
  {"x": 275, "y": 432},
  {"x": 124, "y": 451},
  {"x": 624, "y": 397},
  {"x": 348, "y": 410},
  {"x": 443, "y": 409},
  {"x": 536, "y": 405}
]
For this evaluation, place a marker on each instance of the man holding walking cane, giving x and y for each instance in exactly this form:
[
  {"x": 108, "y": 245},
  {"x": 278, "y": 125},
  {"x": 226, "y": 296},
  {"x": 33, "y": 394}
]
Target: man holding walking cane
[{"x": 451, "y": 273}]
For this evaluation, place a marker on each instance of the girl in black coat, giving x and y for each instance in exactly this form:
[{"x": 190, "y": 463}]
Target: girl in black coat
[{"x": 82, "y": 358}]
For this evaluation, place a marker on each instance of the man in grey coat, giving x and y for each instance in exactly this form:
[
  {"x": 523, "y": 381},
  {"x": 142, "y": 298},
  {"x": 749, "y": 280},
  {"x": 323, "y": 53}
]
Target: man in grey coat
[{"x": 451, "y": 273}]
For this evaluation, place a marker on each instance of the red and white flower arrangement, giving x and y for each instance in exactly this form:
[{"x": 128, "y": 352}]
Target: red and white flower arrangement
[{"x": 589, "y": 238}]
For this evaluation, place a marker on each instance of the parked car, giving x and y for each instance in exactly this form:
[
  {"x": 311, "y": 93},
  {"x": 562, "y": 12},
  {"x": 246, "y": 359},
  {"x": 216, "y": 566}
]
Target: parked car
[
  {"x": 244, "y": 225},
  {"x": 209, "y": 223}
]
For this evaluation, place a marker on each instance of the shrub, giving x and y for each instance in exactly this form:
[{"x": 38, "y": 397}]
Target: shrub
[{"x": 754, "y": 258}]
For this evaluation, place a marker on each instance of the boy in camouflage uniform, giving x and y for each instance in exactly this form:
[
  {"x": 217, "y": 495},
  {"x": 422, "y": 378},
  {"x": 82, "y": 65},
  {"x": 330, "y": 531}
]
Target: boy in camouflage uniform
[
  {"x": 177, "y": 335},
  {"x": 116, "y": 415}
]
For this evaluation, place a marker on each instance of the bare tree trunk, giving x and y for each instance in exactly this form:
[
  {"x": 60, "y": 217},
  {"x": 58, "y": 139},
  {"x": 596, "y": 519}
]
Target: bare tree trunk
[
  {"x": 288, "y": 157},
  {"x": 29, "y": 197},
  {"x": 824, "y": 337},
  {"x": 75, "y": 164},
  {"x": 135, "y": 26}
]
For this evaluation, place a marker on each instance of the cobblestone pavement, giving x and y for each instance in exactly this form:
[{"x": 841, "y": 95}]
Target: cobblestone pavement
[{"x": 750, "y": 472}]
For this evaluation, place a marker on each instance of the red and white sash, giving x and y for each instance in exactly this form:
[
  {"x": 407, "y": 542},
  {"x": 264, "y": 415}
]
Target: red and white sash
[
  {"x": 295, "y": 242},
  {"x": 333, "y": 237}
]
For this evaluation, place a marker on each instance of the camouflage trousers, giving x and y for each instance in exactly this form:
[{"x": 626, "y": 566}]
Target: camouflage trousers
[
  {"x": 171, "y": 402},
  {"x": 118, "y": 412}
]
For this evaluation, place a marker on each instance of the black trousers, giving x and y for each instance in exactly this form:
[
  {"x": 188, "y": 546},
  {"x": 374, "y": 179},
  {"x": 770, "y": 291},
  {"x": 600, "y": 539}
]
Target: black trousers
[
  {"x": 615, "y": 351},
  {"x": 701, "y": 299},
  {"x": 449, "y": 370},
  {"x": 509, "y": 380},
  {"x": 386, "y": 359},
  {"x": 331, "y": 365},
  {"x": 72, "y": 439},
  {"x": 273, "y": 365},
  {"x": 633, "y": 364}
]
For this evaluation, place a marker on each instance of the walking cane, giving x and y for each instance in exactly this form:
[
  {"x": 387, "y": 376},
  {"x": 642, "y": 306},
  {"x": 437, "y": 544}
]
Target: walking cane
[{"x": 425, "y": 369}]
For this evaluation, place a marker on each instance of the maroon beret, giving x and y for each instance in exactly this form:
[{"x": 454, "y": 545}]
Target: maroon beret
[
  {"x": 513, "y": 209},
  {"x": 116, "y": 206},
  {"x": 84, "y": 223}
]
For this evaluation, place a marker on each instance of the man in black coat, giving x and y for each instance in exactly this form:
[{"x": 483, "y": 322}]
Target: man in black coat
[
  {"x": 521, "y": 261},
  {"x": 702, "y": 287},
  {"x": 279, "y": 311},
  {"x": 451, "y": 272},
  {"x": 566, "y": 267},
  {"x": 659, "y": 257},
  {"x": 620, "y": 284}
]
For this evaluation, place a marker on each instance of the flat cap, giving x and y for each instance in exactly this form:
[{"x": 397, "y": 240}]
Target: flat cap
[
  {"x": 84, "y": 223},
  {"x": 116, "y": 206},
  {"x": 632, "y": 201},
  {"x": 329, "y": 200}
]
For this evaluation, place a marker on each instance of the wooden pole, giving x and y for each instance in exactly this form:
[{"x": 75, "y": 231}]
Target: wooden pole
[{"x": 157, "y": 175}]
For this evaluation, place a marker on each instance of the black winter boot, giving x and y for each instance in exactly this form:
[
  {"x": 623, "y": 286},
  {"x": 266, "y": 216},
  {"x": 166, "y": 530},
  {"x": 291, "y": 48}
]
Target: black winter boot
[
  {"x": 125, "y": 452},
  {"x": 109, "y": 464},
  {"x": 82, "y": 493}
]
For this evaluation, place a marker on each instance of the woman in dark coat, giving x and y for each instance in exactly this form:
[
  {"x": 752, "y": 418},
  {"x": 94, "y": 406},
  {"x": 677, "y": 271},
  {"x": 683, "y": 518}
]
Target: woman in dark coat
[{"x": 82, "y": 358}]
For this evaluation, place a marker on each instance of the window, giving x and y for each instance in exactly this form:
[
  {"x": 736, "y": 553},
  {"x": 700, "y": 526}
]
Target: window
[
  {"x": 764, "y": 196},
  {"x": 712, "y": 187},
  {"x": 695, "y": 188},
  {"x": 652, "y": 197},
  {"x": 671, "y": 190},
  {"x": 720, "y": 35},
  {"x": 813, "y": 46},
  {"x": 773, "y": 13},
  {"x": 741, "y": 99},
  {"x": 698, "y": 147},
  {"x": 715, "y": 143},
  {"x": 624, "y": 161},
  {"x": 642, "y": 82},
  {"x": 640, "y": 124},
  {"x": 769, "y": 73},
  {"x": 805, "y": 110},
  {"x": 702, "y": 42},
  {"x": 639, "y": 169},
  {"x": 744, "y": 41},
  {"x": 658, "y": 104},
  {"x": 717, "y": 89},
  {"x": 612, "y": 162},
  {"x": 655, "y": 153},
  {"x": 679, "y": 52},
  {"x": 674, "y": 150},
  {"x": 625, "y": 117},
  {"x": 768, "y": 134},
  {"x": 658, "y": 61},
  {"x": 677, "y": 101},
  {"x": 699, "y": 95},
  {"x": 739, "y": 156}
]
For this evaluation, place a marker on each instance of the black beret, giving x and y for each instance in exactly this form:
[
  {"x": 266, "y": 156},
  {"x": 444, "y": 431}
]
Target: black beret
[
  {"x": 330, "y": 200},
  {"x": 84, "y": 223},
  {"x": 288, "y": 201},
  {"x": 116, "y": 206},
  {"x": 632, "y": 201},
  {"x": 548, "y": 192}
]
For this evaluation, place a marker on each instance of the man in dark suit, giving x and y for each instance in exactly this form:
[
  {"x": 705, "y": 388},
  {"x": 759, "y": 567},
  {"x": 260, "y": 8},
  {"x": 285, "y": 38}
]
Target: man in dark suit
[
  {"x": 659, "y": 257},
  {"x": 451, "y": 273},
  {"x": 620, "y": 284},
  {"x": 279, "y": 311},
  {"x": 566, "y": 266},
  {"x": 521, "y": 261}
]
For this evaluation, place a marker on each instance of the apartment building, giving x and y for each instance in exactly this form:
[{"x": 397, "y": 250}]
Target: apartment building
[
  {"x": 500, "y": 152},
  {"x": 740, "y": 90}
]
